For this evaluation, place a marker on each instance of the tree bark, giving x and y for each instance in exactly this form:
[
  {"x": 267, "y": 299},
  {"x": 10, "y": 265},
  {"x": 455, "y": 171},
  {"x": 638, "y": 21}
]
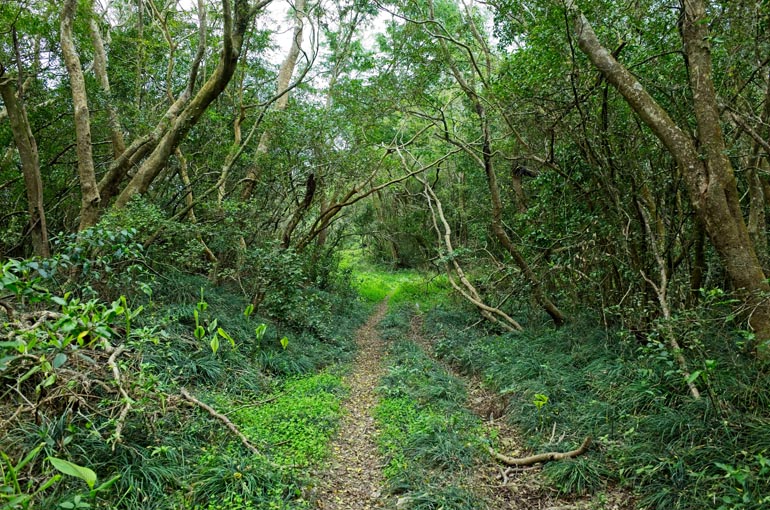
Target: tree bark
[
  {"x": 487, "y": 164},
  {"x": 100, "y": 69},
  {"x": 236, "y": 19},
  {"x": 708, "y": 173},
  {"x": 468, "y": 290},
  {"x": 30, "y": 165},
  {"x": 89, "y": 202},
  {"x": 299, "y": 212}
]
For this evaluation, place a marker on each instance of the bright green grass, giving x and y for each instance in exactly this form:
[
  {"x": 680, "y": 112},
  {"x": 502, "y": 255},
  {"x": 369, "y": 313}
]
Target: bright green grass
[
  {"x": 375, "y": 283},
  {"x": 429, "y": 440},
  {"x": 294, "y": 428}
]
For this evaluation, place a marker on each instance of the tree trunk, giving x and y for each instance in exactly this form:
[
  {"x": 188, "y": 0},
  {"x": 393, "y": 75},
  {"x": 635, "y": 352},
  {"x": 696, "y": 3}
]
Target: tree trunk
[
  {"x": 236, "y": 20},
  {"x": 296, "y": 217},
  {"x": 284, "y": 77},
  {"x": 467, "y": 290},
  {"x": 497, "y": 208},
  {"x": 30, "y": 165},
  {"x": 100, "y": 69},
  {"x": 89, "y": 204},
  {"x": 708, "y": 174}
]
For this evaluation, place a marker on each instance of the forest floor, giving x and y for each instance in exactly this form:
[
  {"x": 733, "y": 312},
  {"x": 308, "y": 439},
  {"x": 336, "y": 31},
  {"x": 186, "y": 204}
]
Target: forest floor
[
  {"x": 354, "y": 478},
  {"x": 511, "y": 488}
]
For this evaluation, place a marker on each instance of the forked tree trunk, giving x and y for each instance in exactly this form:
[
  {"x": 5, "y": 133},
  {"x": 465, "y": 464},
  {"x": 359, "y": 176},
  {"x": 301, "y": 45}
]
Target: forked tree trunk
[
  {"x": 706, "y": 169},
  {"x": 237, "y": 15}
]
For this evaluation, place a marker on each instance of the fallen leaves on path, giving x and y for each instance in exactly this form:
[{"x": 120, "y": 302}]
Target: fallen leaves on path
[{"x": 354, "y": 478}]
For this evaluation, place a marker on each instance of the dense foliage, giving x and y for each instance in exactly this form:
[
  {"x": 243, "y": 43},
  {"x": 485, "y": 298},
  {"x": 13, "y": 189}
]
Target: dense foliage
[{"x": 192, "y": 201}]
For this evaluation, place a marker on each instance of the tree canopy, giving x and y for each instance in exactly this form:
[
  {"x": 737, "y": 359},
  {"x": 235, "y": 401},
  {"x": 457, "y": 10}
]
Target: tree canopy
[{"x": 562, "y": 161}]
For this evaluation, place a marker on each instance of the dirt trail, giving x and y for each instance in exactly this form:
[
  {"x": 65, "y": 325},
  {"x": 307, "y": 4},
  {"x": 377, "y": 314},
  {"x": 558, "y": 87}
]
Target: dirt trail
[{"x": 354, "y": 479}]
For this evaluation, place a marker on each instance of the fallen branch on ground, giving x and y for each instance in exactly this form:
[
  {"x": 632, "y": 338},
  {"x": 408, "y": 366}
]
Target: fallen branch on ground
[
  {"x": 230, "y": 425},
  {"x": 541, "y": 457},
  {"x": 111, "y": 362}
]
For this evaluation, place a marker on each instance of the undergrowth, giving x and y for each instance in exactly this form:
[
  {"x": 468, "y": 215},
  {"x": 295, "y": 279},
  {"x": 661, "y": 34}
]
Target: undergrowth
[
  {"x": 73, "y": 434},
  {"x": 430, "y": 441},
  {"x": 650, "y": 435}
]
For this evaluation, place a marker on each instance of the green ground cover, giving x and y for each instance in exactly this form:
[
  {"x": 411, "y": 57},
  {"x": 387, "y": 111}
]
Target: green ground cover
[
  {"x": 276, "y": 376},
  {"x": 374, "y": 283},
  {"x": 651, "y": 436},
  {"x": 430, "y": 442}
]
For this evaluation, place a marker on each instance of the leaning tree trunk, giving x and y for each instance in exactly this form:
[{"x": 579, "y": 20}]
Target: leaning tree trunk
[
  {"x": 707, "y": 172},
  {"x": 89, "y": 191},
  {"x": 236, "y": 21},
  {"x": 30, "y": 165},
  {"x": 485, "y": 161}
]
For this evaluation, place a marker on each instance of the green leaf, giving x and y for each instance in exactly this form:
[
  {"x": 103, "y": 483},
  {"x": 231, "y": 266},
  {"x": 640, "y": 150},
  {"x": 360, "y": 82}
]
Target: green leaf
[
  {"x": 48, "y": 381},
  {"x": 59, "y": 360},
  {"x": 226, "y": 336},
  {"x": 248, "y": 311},
  {"x": 106, "y": 485},
  {"x": 81, "y": 336},
  {"x": 199, "y": 332},
  {"x": 68, "y": 468},
  {"x": 693, "y": 376},
  {"x": 214, "y": 344},
  {"x": 284, "y": 342},
  {"x": 260, "y": 331},
  {"x": 32, "y": 371},
  {"x": 31, "y": 455}
]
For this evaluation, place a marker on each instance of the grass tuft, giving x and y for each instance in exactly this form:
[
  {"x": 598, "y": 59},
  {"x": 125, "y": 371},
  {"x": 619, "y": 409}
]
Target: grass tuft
[{"x": 651, "y": 436}]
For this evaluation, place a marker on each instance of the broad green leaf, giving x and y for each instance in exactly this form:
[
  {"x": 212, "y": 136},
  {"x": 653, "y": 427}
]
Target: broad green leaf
[
  {"x": 68, "y": 468},
  {"x": 260, "y": 331},
  {"x": 214, "y": 344},
  {"x": 59, "y": 360},
  {"x": 226, "y": 336},
  {"x": 693, "y": 376},
  {"x": 284, "y": 342}
]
